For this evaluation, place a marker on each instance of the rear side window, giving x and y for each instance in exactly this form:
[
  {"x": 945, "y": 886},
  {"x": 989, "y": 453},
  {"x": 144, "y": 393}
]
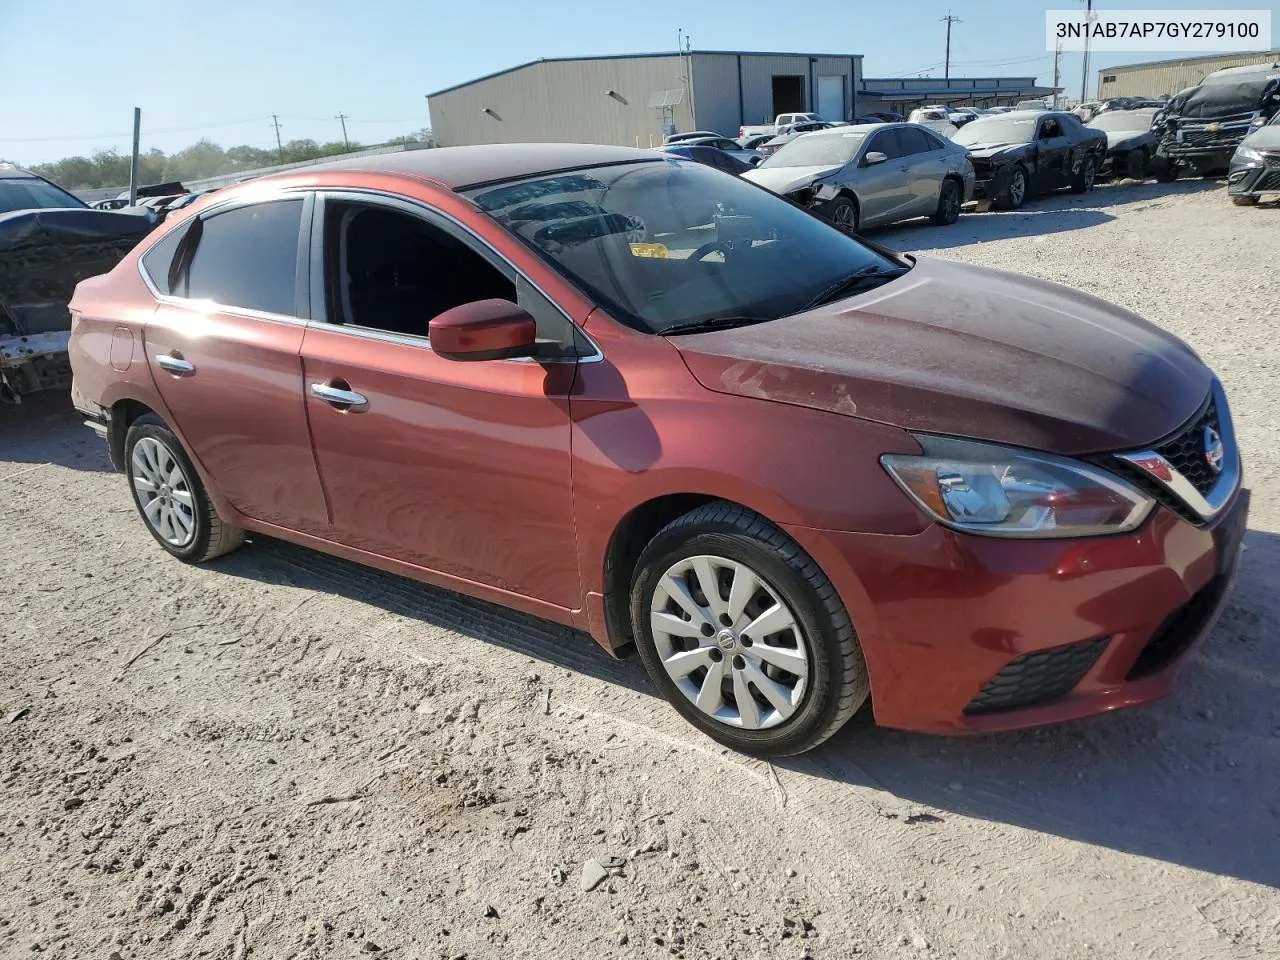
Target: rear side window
[
  {"x": 248, "y": 257},
  {"x": 157, "y": 262},
  {"x": 915, "y": 141}
]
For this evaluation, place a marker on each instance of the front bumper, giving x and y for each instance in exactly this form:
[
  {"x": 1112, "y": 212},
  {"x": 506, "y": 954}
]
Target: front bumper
[
  {"x": 1250, "y": 178},
  {"x": 942, "y": 616}
]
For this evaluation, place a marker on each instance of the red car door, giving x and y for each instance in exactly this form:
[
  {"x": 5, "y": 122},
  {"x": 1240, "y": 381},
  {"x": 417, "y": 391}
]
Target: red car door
[
  {"x": 223, "y": 347},
  {"x": 458, "y": 467}
]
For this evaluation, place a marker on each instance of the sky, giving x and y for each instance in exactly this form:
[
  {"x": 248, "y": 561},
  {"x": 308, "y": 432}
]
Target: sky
[{"x": 72, "y": 70}]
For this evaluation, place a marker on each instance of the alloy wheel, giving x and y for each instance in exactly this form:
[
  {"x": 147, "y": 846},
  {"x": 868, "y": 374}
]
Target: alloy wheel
[
  {"x": 1017, "y": 188},
  {"x": 729, "y": 642},
  {"x": 163, "y": 492}
]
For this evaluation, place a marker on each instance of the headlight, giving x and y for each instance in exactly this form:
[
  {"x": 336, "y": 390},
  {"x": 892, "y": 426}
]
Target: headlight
[
  {"x": 1006, "y": 492},
  {"x": 1250, "y": 154}
]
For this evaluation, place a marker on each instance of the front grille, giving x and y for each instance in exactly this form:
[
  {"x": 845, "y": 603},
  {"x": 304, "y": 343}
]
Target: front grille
[
  {"x": 1037, "y": 677},
  {"x": 1185, "y": 452},
  {"x": 1178, "y": 630},
  {"x": 1270, "y": 180},
  {"x": 1206, "y": 138}
]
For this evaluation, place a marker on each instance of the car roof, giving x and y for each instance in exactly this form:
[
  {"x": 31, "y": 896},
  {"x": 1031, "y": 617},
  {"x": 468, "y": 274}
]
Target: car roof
[{"x": 461, "y": 167}]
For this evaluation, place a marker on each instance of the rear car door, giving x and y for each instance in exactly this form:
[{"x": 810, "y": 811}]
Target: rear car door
[
  {"x": 883, "y": 188},
  {"x": 457, "y": 467},
  {"x": 223, "y": 348},
  {"x": 926, "y": 165}
]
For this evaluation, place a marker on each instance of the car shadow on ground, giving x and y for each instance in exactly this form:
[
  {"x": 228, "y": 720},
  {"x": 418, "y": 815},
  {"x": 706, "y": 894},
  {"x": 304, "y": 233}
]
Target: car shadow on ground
[
  {"x": 1193, "y": 780},
  {"x": 1040, "y": 216},
  {"x": 45, "y": 428}
]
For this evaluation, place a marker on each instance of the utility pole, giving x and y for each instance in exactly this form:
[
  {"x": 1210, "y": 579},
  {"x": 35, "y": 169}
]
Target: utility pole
[
  {"x": 133, "y": 159},
  {"x": 948, "y": 20},
  {"x": 1084, "y": 69},
  {"x": 1057, "y": 62},
  {"x": 275, "y": 122},
  {"x": 342, "y": 118}
]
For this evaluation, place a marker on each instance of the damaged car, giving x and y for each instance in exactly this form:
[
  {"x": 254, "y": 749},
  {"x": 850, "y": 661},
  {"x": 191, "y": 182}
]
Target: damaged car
[
  {"x": 1255, "y": 167},
  {"x": 871, "y": 175},
  {"x": 49, "y": 242},
  {"x": 1131, "y": 143},
  {"x": 1200, "y": 128},
  {"x": 1031, "y": 151}
]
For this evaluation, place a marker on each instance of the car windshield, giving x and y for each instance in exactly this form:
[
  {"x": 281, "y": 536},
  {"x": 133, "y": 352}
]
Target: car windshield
[
  {"x": 827, "y": 150},
  {"x": 673, "y": 243},
  {"x": 28, "y": 193},
  {"x": 1118, "y": 120},
  {"x": 997, "y": 130}
]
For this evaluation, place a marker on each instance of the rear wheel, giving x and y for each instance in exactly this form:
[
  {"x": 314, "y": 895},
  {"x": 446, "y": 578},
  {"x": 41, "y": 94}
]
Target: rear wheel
[
  {"x": 948, "y": 211},
  {"x": 744, "y": 634},
  {"x": 170, "y": 497},
  {"x": 1014, "y": 192},
  {"x": 1088, "y": 172}
]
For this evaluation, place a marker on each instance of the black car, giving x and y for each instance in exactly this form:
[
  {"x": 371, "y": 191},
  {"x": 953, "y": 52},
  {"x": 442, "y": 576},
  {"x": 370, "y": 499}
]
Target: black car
[
  {"x": 1031, "y": 151},
  {"x": 1201, "y": 127},
  {"x": 1131, "y": 143},
  {"x": 711, "y": 156}
]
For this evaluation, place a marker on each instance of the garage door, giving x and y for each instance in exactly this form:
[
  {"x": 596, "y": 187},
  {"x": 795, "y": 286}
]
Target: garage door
[{"x": 831, "y": 98}]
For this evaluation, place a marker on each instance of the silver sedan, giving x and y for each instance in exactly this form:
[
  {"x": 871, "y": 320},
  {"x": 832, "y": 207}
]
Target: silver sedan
[{"x": 871, "y": 174}]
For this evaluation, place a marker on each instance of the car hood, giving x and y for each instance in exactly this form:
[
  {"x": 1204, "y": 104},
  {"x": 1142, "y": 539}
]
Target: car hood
[
  {"x": 1120, "y": 138},
  {"x": 967, "y": 351},
  {"x": 1266, "y": 138},
  {"x": 786, "y": 179},
  {"x": 994, "y": 151}
]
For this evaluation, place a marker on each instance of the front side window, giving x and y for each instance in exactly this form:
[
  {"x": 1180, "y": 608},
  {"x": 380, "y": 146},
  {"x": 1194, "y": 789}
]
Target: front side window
[
  {"x": 669, "y": 244},
  {"x": 1050, "y": 128},
  {"x": 886, "y": 142},
  {"x": 29, "y": 193},
  {"x": 246, "y": 257}
]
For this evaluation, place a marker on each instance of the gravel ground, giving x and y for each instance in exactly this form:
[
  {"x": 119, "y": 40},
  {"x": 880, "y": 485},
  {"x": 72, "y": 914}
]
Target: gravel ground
[{"x": 285, "y": 755}]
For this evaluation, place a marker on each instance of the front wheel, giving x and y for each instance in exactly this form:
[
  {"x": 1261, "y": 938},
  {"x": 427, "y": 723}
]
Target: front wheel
[
  {"x": 843, "y": 212},
  {"x": 170, "y": 497},
  {"x": 1166, "y": 172},
  {"x": 744, "y": 634},
  {"x": 948, "y": 211},
  {"x": 1088, "y": 172},
  {"x": 1014, "y": 192}
]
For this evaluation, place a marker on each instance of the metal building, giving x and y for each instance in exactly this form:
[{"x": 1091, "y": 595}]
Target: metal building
[
  {"x": 633, "y": 99},
  {"x": 1164, "y": 78}
]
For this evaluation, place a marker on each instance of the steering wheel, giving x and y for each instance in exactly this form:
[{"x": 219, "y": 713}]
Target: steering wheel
[{"x": 707, "y": 248}]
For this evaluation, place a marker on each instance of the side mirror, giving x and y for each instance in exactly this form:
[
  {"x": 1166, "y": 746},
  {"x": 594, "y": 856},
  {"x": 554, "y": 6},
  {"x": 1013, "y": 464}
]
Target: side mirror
[
  {"x": 874, "y": 157},
  {"x": 483, "y": 330}
]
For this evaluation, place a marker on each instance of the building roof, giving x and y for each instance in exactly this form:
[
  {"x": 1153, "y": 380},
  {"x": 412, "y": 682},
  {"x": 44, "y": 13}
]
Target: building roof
[
  {"x": 461, "y": 167},
  {"x": 1179, "y": 60},
  {"x": 641, "y": 56}
]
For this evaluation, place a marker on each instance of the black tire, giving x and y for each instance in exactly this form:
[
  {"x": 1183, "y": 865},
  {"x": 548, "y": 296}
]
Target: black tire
[
  {"x": 838, "y": 684},
  {"x": 949, "y": 198},
  {"x": 1166, "y": 172},
  {"x": 1245, "y": 199},
  {"x": 211, "y": 537},
  {"x": 1085, "y": 176},
  {"x": 843, "y": 212},
  {"x": 1010, "y": 198}
]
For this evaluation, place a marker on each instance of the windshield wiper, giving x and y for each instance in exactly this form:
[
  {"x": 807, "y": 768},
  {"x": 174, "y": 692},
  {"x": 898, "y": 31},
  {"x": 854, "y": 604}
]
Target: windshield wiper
[
  {"x": 849, "y": 283},
  {"x": 711, "y": 323}
]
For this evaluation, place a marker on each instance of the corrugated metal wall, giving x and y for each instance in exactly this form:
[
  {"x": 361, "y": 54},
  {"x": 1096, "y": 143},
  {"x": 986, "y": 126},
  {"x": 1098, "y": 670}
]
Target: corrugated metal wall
[
  {"x": 1169, "y": 76},
  {"x": 606, "y": 100},
  {"x": 562, "y": 101}
]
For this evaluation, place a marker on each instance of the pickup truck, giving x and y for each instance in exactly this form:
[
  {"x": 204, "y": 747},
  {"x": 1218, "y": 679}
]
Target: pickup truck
[
  {"x": 780, "y": 121},
  {"x": 49, "y": 242}
]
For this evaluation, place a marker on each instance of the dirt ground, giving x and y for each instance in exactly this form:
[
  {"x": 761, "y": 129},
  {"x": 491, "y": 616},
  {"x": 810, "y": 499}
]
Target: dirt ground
[{"x": 283, "y": 755}]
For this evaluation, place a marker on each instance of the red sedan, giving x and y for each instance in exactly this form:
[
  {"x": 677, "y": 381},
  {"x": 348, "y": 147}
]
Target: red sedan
[{"x": 646, "y": 399}]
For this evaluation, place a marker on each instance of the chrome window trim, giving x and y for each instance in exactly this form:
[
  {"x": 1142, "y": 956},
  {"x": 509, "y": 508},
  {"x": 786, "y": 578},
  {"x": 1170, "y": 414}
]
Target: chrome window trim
[
  {"x": 212, "y": 306},
  {"x": 1206, "y": 506},
  {"x": 399, "y": 200}
]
